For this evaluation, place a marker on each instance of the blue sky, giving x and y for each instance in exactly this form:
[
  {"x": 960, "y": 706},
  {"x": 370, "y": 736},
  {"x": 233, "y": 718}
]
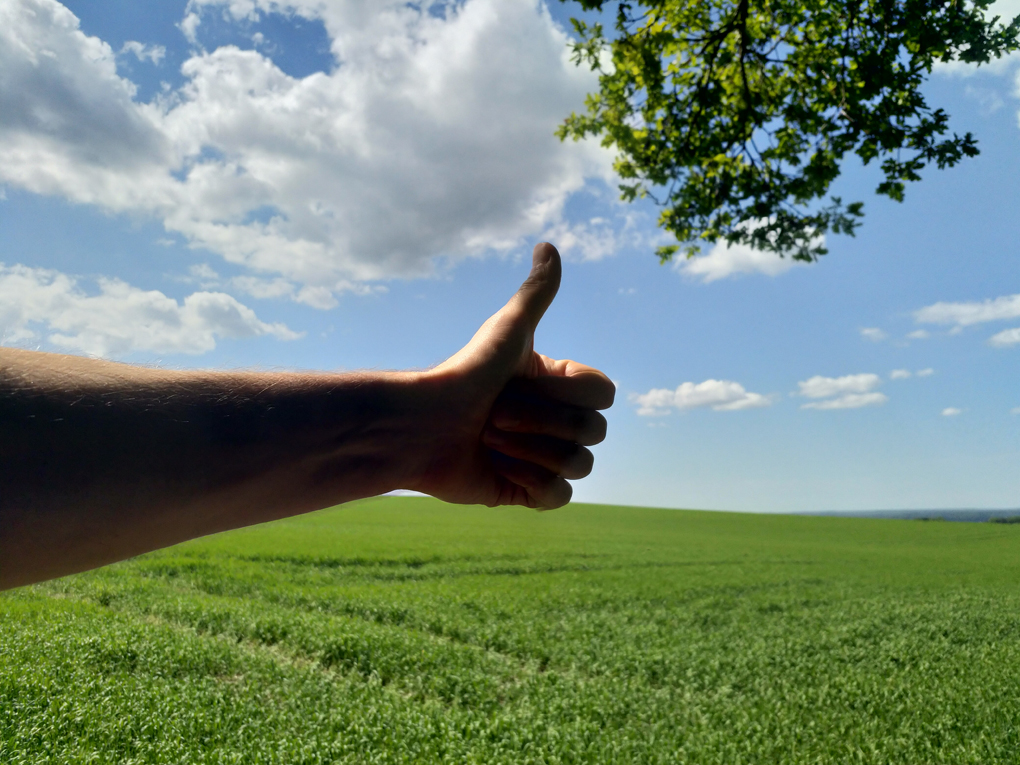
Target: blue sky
[{"x": 345, "y": 185}]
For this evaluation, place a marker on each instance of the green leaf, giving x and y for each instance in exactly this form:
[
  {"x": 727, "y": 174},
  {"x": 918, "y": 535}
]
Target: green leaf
[{"x": 737, "y": 115}]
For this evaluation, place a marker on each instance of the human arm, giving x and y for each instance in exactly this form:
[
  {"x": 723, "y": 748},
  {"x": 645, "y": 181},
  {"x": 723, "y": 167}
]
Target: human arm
[{"x": 101, "y": 461}]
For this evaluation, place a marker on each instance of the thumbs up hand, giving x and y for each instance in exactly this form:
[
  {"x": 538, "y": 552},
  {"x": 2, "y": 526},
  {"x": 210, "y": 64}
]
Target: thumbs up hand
[
  {"x": 104, "y": 461},
  {"x": 512, "y": 424}
]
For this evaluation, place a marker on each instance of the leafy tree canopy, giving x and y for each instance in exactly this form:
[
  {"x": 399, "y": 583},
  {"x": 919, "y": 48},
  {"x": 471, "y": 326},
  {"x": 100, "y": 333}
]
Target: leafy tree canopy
[{"x": 735, "y": 115}]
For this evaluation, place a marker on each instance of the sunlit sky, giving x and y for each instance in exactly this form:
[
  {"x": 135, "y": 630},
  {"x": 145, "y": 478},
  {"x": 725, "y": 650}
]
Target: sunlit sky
[{"x": 336, "y": 184}]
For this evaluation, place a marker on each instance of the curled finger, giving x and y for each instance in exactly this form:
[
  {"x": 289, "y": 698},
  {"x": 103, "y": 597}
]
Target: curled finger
[
  {"x": 548, "y": 418},
  {"x": 545, "y": 489},
  {"x": 564, "y": 458}
]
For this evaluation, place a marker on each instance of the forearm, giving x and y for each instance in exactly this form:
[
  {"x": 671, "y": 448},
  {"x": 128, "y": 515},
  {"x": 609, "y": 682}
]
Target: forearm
[{"x": 102, "y": 461}]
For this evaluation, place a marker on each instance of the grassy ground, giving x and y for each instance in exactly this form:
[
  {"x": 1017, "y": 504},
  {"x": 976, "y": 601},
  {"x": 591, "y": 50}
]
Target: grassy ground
[{"x": 404, "y": 630}]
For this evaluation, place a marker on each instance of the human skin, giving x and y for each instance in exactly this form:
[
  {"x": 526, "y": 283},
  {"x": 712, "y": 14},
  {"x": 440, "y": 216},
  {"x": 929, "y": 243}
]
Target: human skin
[{"x": 102, "y": 461}]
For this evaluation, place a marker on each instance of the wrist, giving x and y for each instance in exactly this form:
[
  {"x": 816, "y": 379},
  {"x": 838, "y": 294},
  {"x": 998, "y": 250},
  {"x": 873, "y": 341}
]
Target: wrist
[{"x": 349, "y": 436}]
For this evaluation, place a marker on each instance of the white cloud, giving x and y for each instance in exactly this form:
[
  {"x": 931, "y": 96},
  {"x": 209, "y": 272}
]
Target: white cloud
[
  {"x": 919, "y": 334},
  {"x": 967, "y": 314},
  {"x": 725, "y": 260},
  {"x": 591, "y": 240},
  {"x": 728, "y": 260},
  {"x": 121, "y": 318},
  {"x": 997, "y": 66},
  {"x": 267, "y": 288},
  {"x": 262, "y": 288},
  {"x": 204, "y": 273},
  {"x": 316, "y": 297},
  {"x": 989, "y": 100},
  {"x": 431, "y": 138},
  {"x": 823, "y": 387},
  {"x": 904, "y": 374},
  {"x": 1015, "y": 410},
  {"x": 153, "y": 53},
  {"x": 68, "y": 124},
  {"x": 849, "y": 401},
  {"x": 1006, "y": 10},
  {"x": 720, "y": 395},
  {"x": 874, "y": 334},
  {"x": 189, "y": 26},
  {"x": 1005, "y": 338},
  {"x": 847, "y": 392},
  {"x": 951, "y": 411}
]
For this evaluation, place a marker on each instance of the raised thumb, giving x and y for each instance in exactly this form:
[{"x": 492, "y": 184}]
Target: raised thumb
[{"x": 539, "y": 289}]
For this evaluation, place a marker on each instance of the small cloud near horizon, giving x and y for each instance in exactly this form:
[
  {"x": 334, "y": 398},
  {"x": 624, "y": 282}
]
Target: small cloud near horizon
[
  {"x": 846, "y": 392},
  {"x": 718, "y": 395}
]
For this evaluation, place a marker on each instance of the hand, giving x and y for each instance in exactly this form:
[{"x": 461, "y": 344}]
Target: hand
[
  {"x": 511, "y": 425},
  {"x": 102, "y": 461}
]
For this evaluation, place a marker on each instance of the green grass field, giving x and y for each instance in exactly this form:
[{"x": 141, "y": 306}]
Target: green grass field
[{"x": 405, "y": 630}]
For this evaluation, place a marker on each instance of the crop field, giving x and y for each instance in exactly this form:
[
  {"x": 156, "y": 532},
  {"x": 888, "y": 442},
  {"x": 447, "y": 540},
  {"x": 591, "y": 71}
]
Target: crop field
[{"x": 403, "y": 630}]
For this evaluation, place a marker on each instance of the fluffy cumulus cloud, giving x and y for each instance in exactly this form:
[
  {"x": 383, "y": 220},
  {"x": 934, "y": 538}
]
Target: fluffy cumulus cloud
[
  {"x": 720, "y": 395},
  {"x": 725, "y": 260},
  {"x": 152, "y": 53},
  {"x": 874, "y": 334},
  {"x": 905, "y": 374},
  {"x": 823, "y": 387},
  {"x": 847, "y": 392},
  {"x": 1005, "y": 338},
  {"x": 951, "y": 411},
  {"x": 432, "y": 136},
  {"x": 966, "y": 314},
  {"x": 119, "y": 319},
  {"x": 260, "y": 287}
]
